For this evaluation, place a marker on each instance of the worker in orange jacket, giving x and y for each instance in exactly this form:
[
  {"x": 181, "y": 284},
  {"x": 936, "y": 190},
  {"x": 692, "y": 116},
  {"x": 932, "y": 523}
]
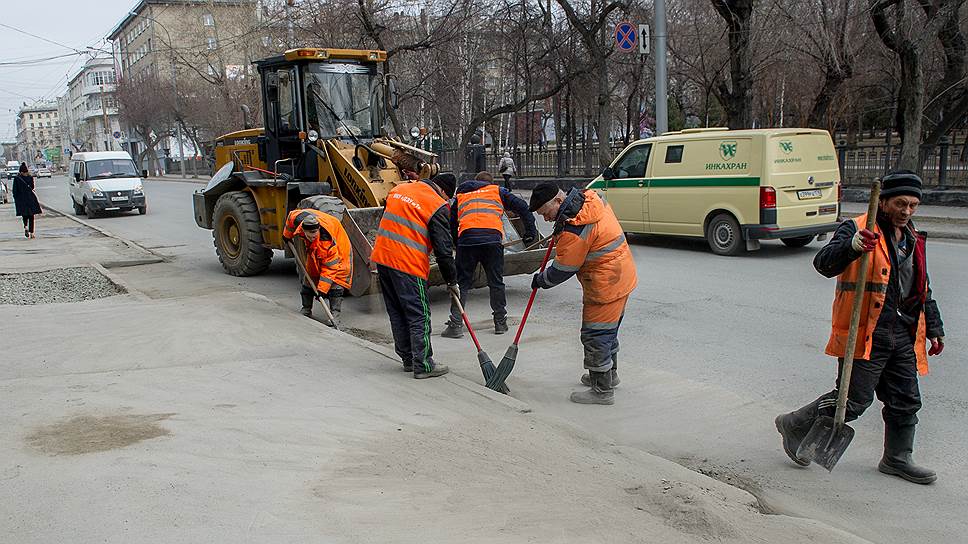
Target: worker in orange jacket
[
  {"x": 329, "y": 257},
  {"x": 590, "y": 243},
  {"x": 416, "y": 222},
  {"x": 898, "y": 319}
]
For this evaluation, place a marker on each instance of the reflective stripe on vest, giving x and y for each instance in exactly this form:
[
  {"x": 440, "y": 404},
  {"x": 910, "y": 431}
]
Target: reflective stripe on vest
[
  {"x": 402, "y": 240},
  {"x": 480, "y": 209}
]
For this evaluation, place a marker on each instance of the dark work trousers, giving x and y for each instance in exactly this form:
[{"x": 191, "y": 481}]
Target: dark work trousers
[
  {"x": 891, "y": 374},
  {"x": 308, "y": 294},
  {"x": 405, "y": 297},
  {"x": 28, "y": 223},
  {"x": 491, "y": 258},
  {"x": 599, "y": 333}
]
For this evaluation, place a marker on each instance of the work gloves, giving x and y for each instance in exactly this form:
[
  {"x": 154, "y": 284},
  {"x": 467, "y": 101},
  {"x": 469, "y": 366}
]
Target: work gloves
[
  {"x": 864, "y": 241},
  {"x": 937, "y": 346},
  {"x": 536, "y": 282},
  {"x": 529, "y": 241},
  {"x": 454, "y": 290}
]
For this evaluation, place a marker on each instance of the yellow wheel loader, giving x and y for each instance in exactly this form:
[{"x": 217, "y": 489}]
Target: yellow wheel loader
[{"x": 323, "y": 147}]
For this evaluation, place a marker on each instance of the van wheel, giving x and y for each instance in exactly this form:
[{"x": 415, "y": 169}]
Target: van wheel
[
  {"x": 88, "y": 210},
  {"x": 724, "y": 236},
  {"x": 799, "y": 241},
  {"x": 143, "y": 210},
  {"x": 78, "y": 209}
]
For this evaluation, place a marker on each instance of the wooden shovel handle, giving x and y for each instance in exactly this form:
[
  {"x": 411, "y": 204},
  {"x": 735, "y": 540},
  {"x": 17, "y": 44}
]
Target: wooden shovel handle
[
  {"x": 309, "y": 282},
  {"x": 865, "y": 260}
]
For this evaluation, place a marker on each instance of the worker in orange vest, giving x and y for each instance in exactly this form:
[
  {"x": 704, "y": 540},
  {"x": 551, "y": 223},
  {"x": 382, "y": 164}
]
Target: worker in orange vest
[
  {"x": 416, "y": 221},
  {"x": 329, "y": 257},
  {"x": 590, "y": 243},
  {"x": 477, "y": 223},
  {"x": 898, "y": 320}
]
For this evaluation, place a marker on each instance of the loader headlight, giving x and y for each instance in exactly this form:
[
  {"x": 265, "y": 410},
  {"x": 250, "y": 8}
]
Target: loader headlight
[{"x": 313, "y": 136}]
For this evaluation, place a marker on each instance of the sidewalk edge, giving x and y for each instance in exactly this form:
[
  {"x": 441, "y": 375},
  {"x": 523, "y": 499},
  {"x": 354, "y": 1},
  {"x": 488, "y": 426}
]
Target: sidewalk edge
[{"x": 125, "y": 241}]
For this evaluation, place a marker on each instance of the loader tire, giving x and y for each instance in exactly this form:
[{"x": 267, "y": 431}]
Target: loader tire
[
  {"x": 238, "y": 235},
  {"x": 327, "y": 204}
]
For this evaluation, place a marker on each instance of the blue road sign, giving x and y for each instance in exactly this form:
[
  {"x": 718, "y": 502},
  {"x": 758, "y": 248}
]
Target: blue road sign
[
  {"x": 625, "y": 36},
  {"x": 117, "y": 134}
]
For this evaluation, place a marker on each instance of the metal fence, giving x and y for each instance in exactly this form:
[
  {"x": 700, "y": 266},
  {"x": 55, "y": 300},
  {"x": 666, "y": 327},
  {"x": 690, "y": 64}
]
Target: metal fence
[{"x": 943, "y": 165}]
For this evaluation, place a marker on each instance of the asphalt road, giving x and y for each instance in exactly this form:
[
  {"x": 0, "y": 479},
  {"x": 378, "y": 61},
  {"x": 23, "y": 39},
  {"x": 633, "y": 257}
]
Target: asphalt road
[{"x": 712, "y": 349}]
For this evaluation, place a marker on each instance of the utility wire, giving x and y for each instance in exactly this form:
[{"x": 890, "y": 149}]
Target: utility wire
[{"x": 15, "y": 29}]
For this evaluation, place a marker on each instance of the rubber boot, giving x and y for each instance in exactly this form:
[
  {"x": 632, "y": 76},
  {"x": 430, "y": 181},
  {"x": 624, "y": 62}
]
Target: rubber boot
[
  {"x": 500, "y": 325},
  {"x": 307, "y": 304},
  {"x": 308, "y": 312},
  {"x": 587, "y": 381},
  {"x": 898, "y": 445},
  {"x": 600, "y": 391},
  {"x": 793, "y": 427},
  {"x": 453, "y": 330}
]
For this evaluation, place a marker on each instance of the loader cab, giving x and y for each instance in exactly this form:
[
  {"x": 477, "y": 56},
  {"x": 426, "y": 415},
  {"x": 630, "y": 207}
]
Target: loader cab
[{"x": 321, "y": 94}]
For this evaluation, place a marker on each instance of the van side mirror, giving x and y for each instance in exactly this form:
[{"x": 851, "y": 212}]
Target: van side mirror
[
  {"x": 144, "y": 173},
  {"x": 77, "y": 177},
  {"x": 608, "y": 173}
]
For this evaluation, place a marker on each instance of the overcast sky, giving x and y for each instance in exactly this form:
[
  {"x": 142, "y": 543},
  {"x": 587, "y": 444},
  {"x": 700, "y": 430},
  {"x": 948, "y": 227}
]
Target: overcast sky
[{"x": 72, "y": 24}]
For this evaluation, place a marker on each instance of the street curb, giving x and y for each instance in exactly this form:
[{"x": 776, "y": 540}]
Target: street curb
[
  {"x": 121, "y": 283},
  {"x": 505, "y": 400},
  {"x": 196, "y": 181},
  {"x": 129, "y": 243}
]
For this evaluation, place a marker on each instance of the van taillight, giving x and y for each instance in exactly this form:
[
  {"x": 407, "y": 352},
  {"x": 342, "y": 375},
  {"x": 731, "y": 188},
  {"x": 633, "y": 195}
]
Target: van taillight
[{"x": 767, "y": 197}]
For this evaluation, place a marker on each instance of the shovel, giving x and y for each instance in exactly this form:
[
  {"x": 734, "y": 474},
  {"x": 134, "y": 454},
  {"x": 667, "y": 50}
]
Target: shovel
[
  {"x": 487, "y": 367},
  {"x": 829, "y": 437},
  {"x": 496, "y": 382},
  {"x": 309, "y": 282}
]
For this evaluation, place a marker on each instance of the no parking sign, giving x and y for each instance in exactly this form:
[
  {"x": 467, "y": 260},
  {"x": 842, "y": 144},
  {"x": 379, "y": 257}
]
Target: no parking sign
[{"x": 626, "y": 36}]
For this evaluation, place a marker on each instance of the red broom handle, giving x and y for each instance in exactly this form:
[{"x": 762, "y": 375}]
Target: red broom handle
[
  {"x": 527, "y": 310},
  {"x": 467, "y": 322}
]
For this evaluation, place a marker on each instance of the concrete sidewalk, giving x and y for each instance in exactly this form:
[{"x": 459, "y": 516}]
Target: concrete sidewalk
[
  {"x": 227, "y": 418},
  {"x": 201, "y": 179}
]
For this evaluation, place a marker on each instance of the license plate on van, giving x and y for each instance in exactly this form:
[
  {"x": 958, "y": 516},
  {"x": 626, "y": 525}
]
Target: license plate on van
[{"x": 810, "y": 193}]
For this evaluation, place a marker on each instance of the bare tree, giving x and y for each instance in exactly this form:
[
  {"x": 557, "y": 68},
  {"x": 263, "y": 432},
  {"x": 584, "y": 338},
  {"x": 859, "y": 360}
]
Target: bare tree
[{"x": 145, "y": 107}]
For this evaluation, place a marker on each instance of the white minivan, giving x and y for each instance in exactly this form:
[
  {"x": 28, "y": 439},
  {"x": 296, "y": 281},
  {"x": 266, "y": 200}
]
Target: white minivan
[{"x": 104, "y": 181}]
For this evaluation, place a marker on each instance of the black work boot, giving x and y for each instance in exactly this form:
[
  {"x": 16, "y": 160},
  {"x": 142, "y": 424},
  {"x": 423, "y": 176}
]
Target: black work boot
[
  {"x": 600, "y": 392},
  {"x": 587, "y": 381},
  {"x": 420, "y": 373},
  {"x": 308, "y": 312},
  {"x": 793, "y": 427},
  {"x": 453, "y": 330},
  {"x": 408, "y": 367},
  {"x": 500, "y": 325},
  {"x": 898, "y": 445}
]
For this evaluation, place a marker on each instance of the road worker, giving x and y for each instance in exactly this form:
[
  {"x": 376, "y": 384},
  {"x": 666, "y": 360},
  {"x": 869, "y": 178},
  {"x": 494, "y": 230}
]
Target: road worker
[
  {"x": 416, "y": 221},
  {"x": 328, "y": 257},
  {"x": 899, "y": 318},
  {"x": 590, "y": 243},
  {"x": 477, "y": 225}
]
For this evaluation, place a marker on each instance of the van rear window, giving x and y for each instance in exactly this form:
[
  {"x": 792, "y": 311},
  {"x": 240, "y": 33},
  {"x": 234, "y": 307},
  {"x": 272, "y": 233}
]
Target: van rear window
[{"x": 673, "y": 154}]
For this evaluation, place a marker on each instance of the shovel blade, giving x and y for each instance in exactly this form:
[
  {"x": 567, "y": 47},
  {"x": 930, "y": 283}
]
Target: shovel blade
[
  {"x": 496, "y": 382},
  {"x": 825, "y": 443}
]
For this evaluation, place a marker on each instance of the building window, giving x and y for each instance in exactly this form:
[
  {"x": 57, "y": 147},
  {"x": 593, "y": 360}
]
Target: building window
[
  {"x": 208, "y": 20},
  {"x": 31, "y": 115},
  {"x": 212, "y": 43}
]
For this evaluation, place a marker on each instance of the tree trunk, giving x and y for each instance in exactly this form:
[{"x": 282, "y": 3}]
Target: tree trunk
[{"x": 737, "y": 97}]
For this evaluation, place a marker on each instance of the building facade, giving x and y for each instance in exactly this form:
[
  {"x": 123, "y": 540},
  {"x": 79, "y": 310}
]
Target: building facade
[
  {"x": 38, "y": 134},
  {"x": 89, "y": 109}
]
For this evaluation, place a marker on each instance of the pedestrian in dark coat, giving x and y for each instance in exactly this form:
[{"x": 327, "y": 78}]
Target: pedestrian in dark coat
[{"x": 25, "y": 200}]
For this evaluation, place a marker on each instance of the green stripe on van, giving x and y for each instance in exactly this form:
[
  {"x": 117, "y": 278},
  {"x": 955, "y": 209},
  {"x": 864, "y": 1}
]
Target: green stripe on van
[{"x": 679, "y": 182}]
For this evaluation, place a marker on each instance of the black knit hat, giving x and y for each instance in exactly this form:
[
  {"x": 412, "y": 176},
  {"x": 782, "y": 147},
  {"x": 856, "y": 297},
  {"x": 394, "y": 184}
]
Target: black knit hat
[
  {"x": 310, "y": 222},
  {"x": 447, "y": 183},
  {"x": 901, "y": 182},
  {"x": 542, "y": 194}
]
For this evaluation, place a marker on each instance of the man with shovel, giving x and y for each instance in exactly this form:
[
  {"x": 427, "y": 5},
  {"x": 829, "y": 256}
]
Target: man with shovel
[
  {"x": 478, "y": 227},
  {"x": 591, "y": 244},
  {"x": 898, "y": 318},
  {"x": 328, "y": 261}
]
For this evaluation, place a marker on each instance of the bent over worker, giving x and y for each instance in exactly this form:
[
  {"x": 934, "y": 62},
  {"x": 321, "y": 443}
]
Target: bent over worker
[
  {"x": 415, "y": 221},
  {"x": 591, "y": 244},
  {"x": 329, "y": 257},
  {"x": 478, "y": 226},
  {"x": 898, "y": 317}
]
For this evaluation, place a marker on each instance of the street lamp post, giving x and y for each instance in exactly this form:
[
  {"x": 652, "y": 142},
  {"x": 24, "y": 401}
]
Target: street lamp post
[{"x": 174, "y": 88}]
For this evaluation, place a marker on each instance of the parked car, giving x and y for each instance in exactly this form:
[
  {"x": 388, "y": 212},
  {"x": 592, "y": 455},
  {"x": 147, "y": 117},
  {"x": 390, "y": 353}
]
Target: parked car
[
  {"x": 12, "y": 169},
  {"x": 732, "y": 187},
  {"x": 43, "y": 172},
  {"x": 103, "y": 181},
  {"x": 4, "y": 196}
]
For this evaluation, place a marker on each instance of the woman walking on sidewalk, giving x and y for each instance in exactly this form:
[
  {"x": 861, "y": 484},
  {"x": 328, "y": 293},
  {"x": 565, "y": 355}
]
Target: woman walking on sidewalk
[
  {"x": 507, "y": 170},
  {"x": 25, "y": 200}
]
